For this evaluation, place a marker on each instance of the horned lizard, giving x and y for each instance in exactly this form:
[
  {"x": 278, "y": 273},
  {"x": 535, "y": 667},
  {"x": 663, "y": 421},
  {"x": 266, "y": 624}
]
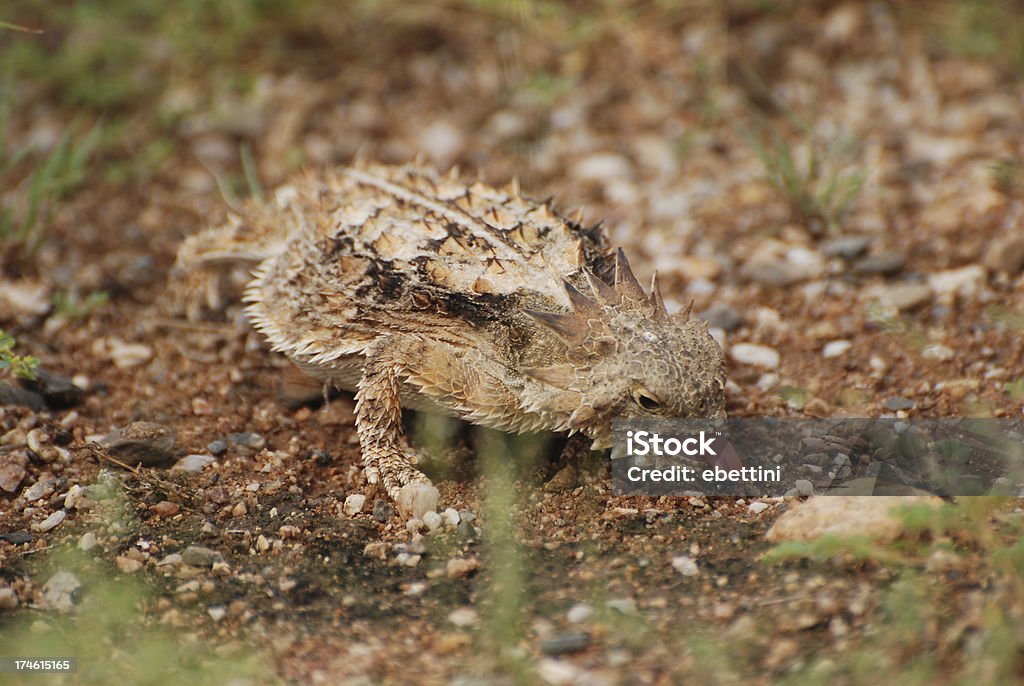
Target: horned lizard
[{"x": 416, "y": 289}]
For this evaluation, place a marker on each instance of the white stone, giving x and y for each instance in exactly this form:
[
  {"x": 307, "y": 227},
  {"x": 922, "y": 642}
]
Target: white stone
[
  {"x": 432, "y": 520},
  {"x": 685, "y": 565},
  {"x": 965, "y": 282},
  {"x": 937, "y": 351},
  {"x": 87, "y": 542},
  {"x": 579, "y": 613},
  {"x": 192, "y": 464},
  {"x": 128, "y": 355},
  {"x": 463, "y": 616},
  {"x": 836, "y": 348},
  {"x": 50, "y": 522},
  {"x": 354, "y": 503},
  {"x": 557, "y": 672},
  {"x": 758, "y": 507},
  {"x": 451, "y": 517},
  {"x": 755, "y": 355}
]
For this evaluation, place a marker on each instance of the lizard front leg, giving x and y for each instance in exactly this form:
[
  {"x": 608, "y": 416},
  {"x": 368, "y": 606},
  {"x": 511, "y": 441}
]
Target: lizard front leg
[{"x": 379, "y": 425}]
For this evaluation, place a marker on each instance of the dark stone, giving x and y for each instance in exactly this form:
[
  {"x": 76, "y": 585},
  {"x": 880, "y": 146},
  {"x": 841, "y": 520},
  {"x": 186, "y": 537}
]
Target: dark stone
[
  {"x": 846, "y": 247},
  {"x": 565, "y": 643},
  {"x": 897, "y": 403},
  {"x": 198, "y": 556},
  {"x": 9, "y": 395},
  {"x": 321, "y": 457},
  {"x": 248, "y": 440},
  {"x": 886, "y": 263},
  {"x": 57, "y": 391},
  {"x": 382, "y": 510},
  {"x": 217, "y": 448},
  {"x": 146, "y": 443},
  {"x": 17, "y": 537},
  {"x": 722, "y": 316}
]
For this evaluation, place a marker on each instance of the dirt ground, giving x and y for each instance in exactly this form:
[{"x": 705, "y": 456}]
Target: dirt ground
[{"x": 840, "y": 184}]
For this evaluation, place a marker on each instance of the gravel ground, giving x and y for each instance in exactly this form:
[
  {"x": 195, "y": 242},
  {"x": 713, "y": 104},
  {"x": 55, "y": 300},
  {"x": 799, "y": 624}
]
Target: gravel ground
[{"x": 836, "y": 187}]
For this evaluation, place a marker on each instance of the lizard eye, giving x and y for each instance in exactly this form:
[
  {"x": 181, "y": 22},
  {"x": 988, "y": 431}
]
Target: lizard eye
[{"x": 646, "y": 400}]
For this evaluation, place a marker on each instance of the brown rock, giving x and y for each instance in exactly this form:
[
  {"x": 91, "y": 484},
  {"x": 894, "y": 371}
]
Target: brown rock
[
  {"x": 845, "y": 516},
  {"x": 146, "y": 443}
]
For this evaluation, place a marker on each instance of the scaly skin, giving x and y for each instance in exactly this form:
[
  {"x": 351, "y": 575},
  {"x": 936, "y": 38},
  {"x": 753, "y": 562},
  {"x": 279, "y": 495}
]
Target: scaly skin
[{"x": 419, "y": 290}]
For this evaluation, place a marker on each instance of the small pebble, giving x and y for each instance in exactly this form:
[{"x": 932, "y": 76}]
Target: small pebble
[
  {"x": 192, "y": 464},
  {"x": 354, "y": 504},
  {"x": 165, "y": 508},
  {"x": 17, "y": 537},
  {"x": 199, "y": 556},
  {"x": 463, "y": 616},
  {"x": 1006, "y": 254},
  {"x": 12, "y": 472},
  {"x": 685, "y": 565},
  {"x": 414, "y": 525},
  {"x": 171, "y": 560},
  {"x": 579, "y": 613},
  {"x": 73, "y": 497},
  {"x": 50, "y": 522},
  {"x": 846, "y": 247},
  {"x": 804, "y": 487},
  {"x": 903, "y": 296},
  {"x": 217, "y": 448},
  {"x": 451, "y": 517},
  {"x": 722, "y": 316},
  {"x": 460, "y": 568},
  {"x": 558, "y": 672},
  {"x": 57, "y": 391},
  {"x": 836, "y": 348},
  {"x": 383, "y": 511},
  {"x": 59, "y": 591},
  {"x": 755, "y": 355},
  {"x": 939, "y": 352},
  {"x": 626, "y": 606},
  {"x": 432, "y": 520},
  {"x": 897, "y": 403},
  {"x": 465, "y": 530},
  {"x": 128, "y": 355},
  {"x": 217, "y": 612},
  {"x": 38, "y": 490},
  {"x": 565, "y": 643},
  {"x": 127, "y": 565},
  {"x": 146, "y": 443},
  {"x": 248, "y": 440},
  {"x": 87, "y": 542},
  {"x": 965, "y": 282},
  {"x": 758, "y": 507},
  {"x": 886, "y": 263}
]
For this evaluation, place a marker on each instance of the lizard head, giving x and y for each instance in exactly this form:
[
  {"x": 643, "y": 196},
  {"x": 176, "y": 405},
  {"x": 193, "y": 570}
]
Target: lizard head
[{"x": 627, "y": 357}]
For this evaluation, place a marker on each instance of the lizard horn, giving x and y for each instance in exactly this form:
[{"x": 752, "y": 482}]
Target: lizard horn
[
  {"x": 581, "y": 304},
  {"x": 568, "y": 327},
  {"x": 625, "y": 282},
  {"x": 656, "y": 299},
  {"x": 604, "y": 293}
]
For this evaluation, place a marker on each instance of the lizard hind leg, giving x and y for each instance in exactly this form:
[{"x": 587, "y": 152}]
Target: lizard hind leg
[{"x": 379, "y": 425}]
